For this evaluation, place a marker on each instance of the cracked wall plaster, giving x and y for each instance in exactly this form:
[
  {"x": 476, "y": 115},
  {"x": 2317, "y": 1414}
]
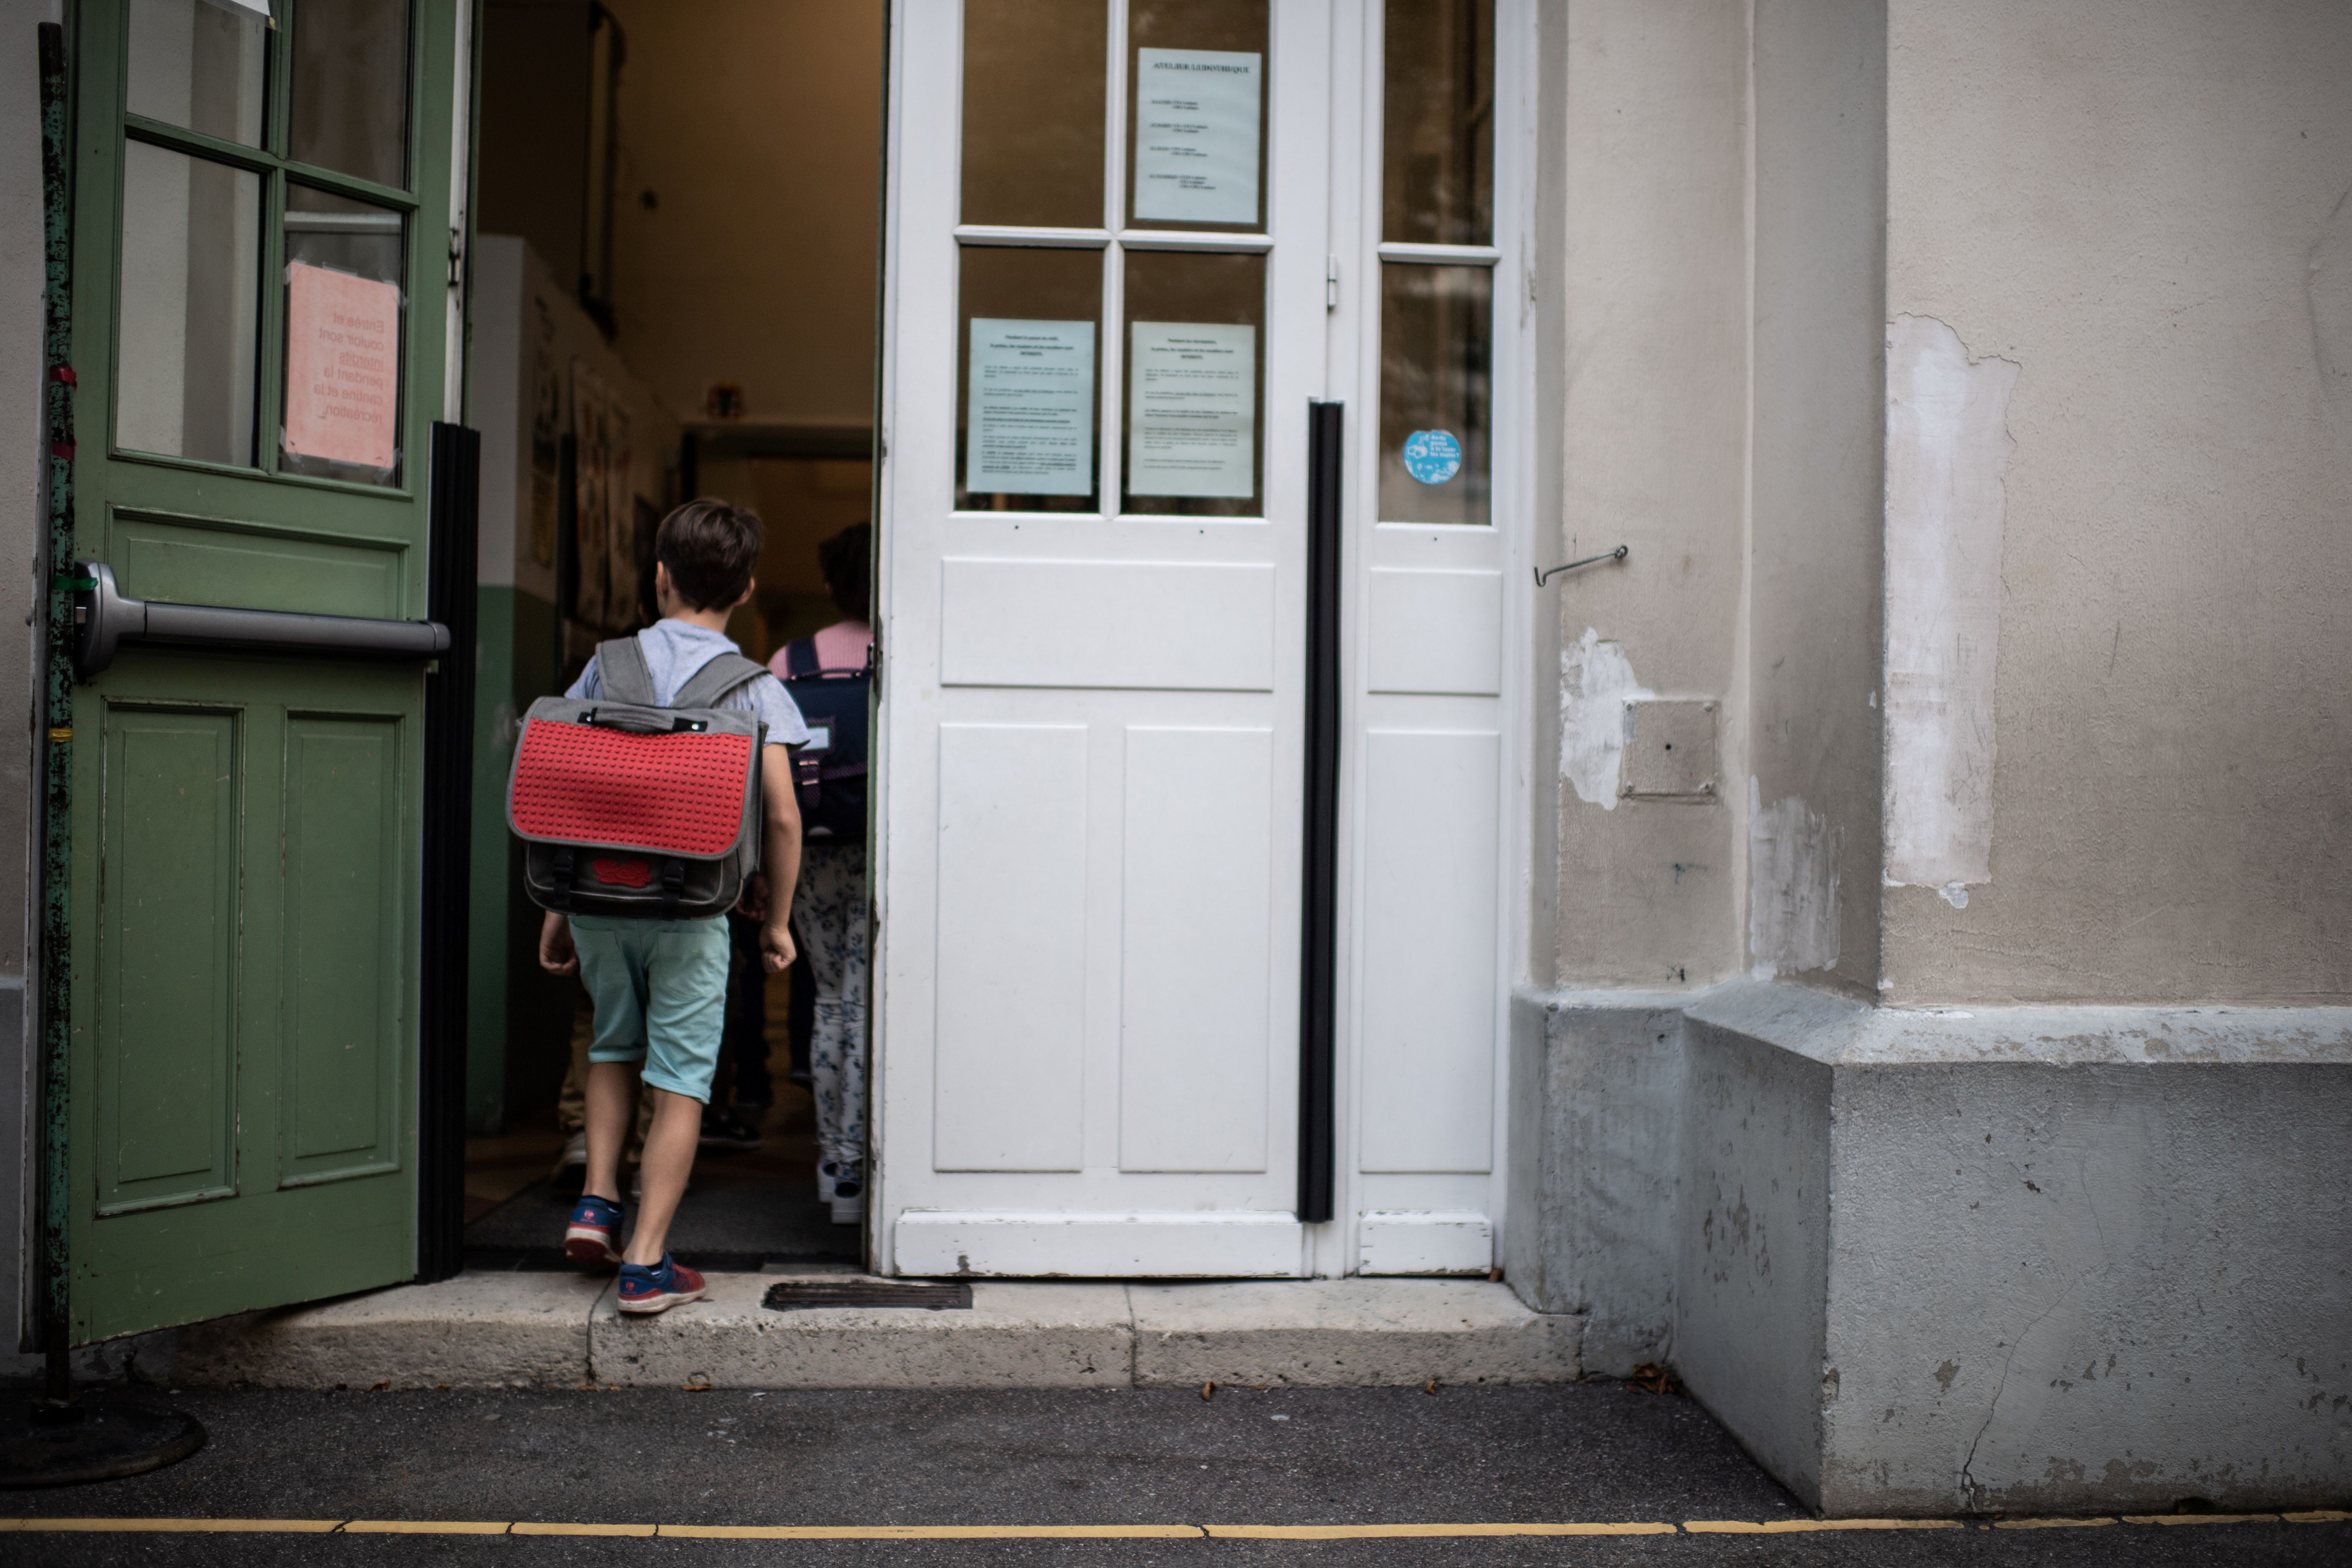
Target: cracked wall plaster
[
  {"x": 1793, "y": 886},
  {"x": 1948, "y": 448},
  {"x": 1596, "y": 681}
]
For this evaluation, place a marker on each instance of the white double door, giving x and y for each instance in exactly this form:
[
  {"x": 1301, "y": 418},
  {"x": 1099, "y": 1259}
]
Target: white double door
[{"x": 1128, "y": 244}]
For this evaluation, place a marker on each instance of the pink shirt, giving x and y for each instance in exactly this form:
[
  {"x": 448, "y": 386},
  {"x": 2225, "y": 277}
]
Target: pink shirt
[{"x": 841, "y": 645}]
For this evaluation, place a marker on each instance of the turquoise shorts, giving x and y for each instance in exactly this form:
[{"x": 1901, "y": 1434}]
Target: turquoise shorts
[{"x": 660, "y": 991}]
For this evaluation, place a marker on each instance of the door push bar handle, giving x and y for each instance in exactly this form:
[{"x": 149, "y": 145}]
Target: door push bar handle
[{"x": 105, "y": 618}]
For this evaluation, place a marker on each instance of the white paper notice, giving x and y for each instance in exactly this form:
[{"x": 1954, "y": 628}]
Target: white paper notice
[
  {"x": 1031, "y": 410},
  {"x": 1192, "y": 410},
  {"x": 1196, "y": 114}
]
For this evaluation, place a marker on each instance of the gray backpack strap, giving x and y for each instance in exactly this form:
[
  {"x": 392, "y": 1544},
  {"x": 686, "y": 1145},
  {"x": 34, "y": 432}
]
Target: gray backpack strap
[
  {"x": 627, "y": 678},
  {"x": 713, "y": 682}
]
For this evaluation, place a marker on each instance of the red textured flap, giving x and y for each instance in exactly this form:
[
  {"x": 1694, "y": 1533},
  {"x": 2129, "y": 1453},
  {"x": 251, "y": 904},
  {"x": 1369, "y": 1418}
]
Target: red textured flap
[{"x": 673, "y": 795}]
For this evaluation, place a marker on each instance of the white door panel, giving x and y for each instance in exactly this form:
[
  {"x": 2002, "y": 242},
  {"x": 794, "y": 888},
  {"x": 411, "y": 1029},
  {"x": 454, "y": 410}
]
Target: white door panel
[
  {"x": 1196, "y": 1029},
  {"x": 1012, "y": 947},
  {"x": 1178, "y": 625},
  {"x": 1435, "y": 631},
  {"x": 1427, "y": 1039}
]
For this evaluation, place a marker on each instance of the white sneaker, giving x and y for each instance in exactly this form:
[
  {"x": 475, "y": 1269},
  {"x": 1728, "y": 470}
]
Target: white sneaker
[{"x": 848, "y": 1194}]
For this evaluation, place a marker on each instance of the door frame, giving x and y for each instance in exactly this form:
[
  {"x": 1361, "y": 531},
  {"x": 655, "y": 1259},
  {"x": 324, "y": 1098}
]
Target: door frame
[{"x": 1351, "y": 98}]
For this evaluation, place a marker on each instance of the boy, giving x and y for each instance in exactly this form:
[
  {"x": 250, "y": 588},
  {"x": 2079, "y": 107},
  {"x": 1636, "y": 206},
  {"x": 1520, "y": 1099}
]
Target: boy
[{"x": 660, "y": 987}]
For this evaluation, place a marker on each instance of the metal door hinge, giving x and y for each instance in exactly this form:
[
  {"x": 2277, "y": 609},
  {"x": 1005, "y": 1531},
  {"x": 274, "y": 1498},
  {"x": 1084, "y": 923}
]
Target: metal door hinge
[{"x": 1331, "y": 283}]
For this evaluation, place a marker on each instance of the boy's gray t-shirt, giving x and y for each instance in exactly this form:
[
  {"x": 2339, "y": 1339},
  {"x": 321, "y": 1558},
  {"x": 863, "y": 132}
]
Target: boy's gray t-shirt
[{"x": 675, "y": 650}]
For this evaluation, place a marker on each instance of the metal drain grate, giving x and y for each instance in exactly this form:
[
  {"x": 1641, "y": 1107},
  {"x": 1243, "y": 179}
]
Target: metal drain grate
[{"x": 801, "y": 1295}]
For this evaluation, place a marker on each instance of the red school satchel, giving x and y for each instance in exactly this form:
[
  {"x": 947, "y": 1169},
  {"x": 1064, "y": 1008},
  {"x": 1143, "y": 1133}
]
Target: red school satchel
[{"x": 629, "y": 807}]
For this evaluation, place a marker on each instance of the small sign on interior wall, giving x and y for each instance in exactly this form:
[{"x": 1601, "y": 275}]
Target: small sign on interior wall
[{"x": 343, "y": 367}]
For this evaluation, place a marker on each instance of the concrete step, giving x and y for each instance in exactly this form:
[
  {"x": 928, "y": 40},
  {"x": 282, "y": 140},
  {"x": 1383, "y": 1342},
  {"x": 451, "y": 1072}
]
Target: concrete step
[{"x": 561, "y": 1330}]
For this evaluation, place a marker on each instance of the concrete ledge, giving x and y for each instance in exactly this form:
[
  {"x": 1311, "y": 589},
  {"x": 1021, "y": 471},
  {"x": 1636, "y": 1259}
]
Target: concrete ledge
[
  {"x": 1347, "y": 1334},
  {"x": 478, "y": 1331},
  {"x": 1014, "y": 1336},
  {"x": 500, "y": 1329}
]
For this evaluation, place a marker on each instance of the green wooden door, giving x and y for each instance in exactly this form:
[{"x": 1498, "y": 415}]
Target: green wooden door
[{"x": 260, "y": 287}]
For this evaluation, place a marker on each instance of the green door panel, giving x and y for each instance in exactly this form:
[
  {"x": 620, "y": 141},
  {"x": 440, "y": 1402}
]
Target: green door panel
[
  {"x": 246, "y": 830},
  {"x": 166, "y": 919},
  {"x": 345, "y": 1015}
]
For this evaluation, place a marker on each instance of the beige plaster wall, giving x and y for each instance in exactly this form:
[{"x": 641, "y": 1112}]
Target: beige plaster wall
[
  {"x": 2136, "y": 212},
  {"x": 1650, "y": 338},
  {"x": 1814, "y": 556}
]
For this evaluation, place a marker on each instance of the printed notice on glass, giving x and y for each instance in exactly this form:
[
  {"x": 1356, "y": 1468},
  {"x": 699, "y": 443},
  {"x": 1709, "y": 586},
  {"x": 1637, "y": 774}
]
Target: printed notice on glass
[
  {"x": 1196, "y": 114},
  {"x": 1192, "y": 410},
  {"x": 1030, "y": 413},
  {"x": 342, "y": 366}
]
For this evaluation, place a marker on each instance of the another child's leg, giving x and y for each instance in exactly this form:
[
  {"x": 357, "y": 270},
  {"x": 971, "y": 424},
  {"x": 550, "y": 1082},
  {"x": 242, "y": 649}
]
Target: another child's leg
[{"x": 612, "y": 1105}]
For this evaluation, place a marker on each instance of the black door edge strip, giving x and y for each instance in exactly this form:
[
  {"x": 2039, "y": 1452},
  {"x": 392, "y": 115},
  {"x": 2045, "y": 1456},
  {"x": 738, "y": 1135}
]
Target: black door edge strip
[{"x": 1319, "y": 893}]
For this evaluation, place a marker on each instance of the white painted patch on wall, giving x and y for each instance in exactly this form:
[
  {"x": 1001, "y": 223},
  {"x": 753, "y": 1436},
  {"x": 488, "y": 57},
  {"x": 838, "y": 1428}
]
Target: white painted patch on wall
[
  {"x": 1596, "y": 681},
  {"x": 1793, "y": 886},
  {"x": 1948, "y": 448}
]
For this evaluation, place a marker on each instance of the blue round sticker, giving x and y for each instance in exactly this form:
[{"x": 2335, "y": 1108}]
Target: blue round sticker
[{"x": 1432, "y": 456}]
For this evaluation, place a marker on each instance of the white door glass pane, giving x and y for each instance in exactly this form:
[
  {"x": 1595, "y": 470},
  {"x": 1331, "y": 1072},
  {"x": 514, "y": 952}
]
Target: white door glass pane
[
  {"x": 199, "y": 64},
  {"x": 190, "y": 290},
  {"x": 1032, "y": 111},
  {"x": 1194, "y": 326},
  {"x": 1437, "y": 122},
  {"x": 1434, "y": 415},
  {"x": 1196, "y": 147},
  {"x": 1027, "y": 391}
]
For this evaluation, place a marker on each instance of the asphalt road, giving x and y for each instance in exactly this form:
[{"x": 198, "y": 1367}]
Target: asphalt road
[{"x": 1596, "y": 1452}]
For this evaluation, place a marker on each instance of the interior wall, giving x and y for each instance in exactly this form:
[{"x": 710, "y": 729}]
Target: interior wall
[
  {"x": 1652, "y": 335},
  {"x": 755, "y": 127},
  {"x": 1811, "y": 778},
  {"x": 2138, "y": 214}
]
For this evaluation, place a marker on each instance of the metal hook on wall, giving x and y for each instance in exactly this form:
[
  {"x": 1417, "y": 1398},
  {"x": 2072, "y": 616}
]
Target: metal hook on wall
[{"x": 1543, "y": 574}]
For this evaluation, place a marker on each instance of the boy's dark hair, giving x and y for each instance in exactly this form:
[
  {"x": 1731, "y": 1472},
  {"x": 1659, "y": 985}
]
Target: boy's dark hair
[
  {"x": 847, "y": 561},
  {"x": 709, "y": 548}
]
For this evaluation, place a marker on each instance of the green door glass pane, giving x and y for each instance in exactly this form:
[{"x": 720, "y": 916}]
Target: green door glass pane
[
  {"x": 1437, "y": 122},
  {"x": 1032, "y": 111},
  {"x": 1436, "y": 421},
  {"x": 1196, "y": 379},
  {"x": 200, "y": 64},
  {"x": 343, "y": 310},
  {"x": 190, "y": 296},
  {"x": 350, "y": 88}
]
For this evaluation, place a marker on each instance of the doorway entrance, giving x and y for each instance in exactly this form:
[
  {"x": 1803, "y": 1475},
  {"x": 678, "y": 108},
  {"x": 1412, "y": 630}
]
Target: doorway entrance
[
  {"x": 1129, "y": 243},
  {"x": 673, "y": 297}
]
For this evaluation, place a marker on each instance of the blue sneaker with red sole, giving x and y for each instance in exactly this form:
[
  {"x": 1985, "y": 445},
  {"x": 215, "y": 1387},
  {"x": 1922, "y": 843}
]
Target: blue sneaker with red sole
[
  {"x": 592, "y": 1237},
  {"x": 657, "y": 1287}
]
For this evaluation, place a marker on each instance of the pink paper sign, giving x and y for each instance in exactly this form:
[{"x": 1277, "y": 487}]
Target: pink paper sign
[{"x": 342, "y": 366}]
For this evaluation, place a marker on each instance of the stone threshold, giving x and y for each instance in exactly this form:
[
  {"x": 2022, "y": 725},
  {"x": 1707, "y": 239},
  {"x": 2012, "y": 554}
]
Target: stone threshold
[{"x": 516, "y": 1330}]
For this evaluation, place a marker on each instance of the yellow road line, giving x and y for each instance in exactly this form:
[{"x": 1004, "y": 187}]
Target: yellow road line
[
  {"x": 1425, "y": 1531},
  {"x": 1109, "y": 1531},
  {"x": 529, "y": 1527},
  {"x": 1801, "y": 1526},
  {"x": 934, "y": 1532}
]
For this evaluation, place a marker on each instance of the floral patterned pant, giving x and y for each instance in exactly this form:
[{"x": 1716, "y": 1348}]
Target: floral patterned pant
[{"x": 829, "y": 914}]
